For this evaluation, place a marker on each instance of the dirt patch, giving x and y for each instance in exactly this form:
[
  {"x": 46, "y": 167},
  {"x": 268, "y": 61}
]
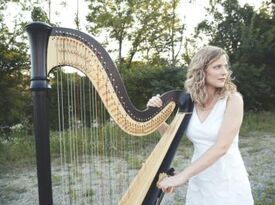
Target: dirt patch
[{"x": 19, "y": 186}]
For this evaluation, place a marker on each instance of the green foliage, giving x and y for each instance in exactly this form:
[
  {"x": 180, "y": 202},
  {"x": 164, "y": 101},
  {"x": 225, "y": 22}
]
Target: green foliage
[
  {"x": 148, "y": 28},
  {"x": 66, "y": 88},
  {"x": 14, "y": 95},
  {"x": 248, "y": 37},
  {"x": 38, "y": 14},
  {"x": 145, "y": 80},
  {"x": 14, "y": 101}
]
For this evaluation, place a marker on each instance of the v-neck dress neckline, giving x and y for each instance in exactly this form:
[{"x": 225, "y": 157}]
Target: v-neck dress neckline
[{"x": 208, "y": 115}]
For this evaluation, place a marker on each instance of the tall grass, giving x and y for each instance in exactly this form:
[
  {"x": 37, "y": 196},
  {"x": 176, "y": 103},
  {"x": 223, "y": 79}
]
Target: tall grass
[
  {"x": 99, "y": 141},
  {"x": 107, "y": 140},
  {"x": 263, "y": 122},
  {"x": 20, "y": 149}
]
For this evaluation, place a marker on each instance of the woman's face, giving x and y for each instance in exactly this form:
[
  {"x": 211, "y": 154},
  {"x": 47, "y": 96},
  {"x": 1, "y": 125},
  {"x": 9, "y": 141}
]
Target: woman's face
[{"x": 216, "y": 73}]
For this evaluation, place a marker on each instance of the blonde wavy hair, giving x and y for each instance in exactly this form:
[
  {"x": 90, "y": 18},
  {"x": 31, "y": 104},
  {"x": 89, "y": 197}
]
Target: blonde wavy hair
[{"x": 195, "y": 81}]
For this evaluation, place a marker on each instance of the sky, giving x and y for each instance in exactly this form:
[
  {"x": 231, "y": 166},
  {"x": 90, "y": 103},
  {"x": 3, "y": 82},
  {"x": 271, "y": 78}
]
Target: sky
[{"x": 190, "y": 13}]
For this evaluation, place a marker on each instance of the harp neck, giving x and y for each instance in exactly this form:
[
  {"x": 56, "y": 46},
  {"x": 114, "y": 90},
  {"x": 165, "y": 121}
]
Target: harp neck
[{"x": 70, "y": 47}]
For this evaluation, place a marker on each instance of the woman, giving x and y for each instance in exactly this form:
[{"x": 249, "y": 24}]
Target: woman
[{"x": 217, "y": 175}]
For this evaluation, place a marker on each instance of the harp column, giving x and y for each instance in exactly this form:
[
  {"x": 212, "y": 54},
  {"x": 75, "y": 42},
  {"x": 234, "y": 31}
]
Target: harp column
[{"x": 38, "y": 37}]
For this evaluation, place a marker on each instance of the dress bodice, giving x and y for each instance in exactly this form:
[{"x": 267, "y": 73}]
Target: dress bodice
[
  {"x": 226, "y": 181},
  {"x": 204, "y": 134}
]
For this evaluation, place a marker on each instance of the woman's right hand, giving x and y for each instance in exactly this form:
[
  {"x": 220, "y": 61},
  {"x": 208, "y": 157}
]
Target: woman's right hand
[{"x": 154, "y": 101}]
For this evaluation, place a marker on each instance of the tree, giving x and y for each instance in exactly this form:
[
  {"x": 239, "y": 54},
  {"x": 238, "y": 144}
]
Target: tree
[
  {"x": 38, "y": 14},
  {"x": 144, "y": 80},
  {"x": 247, "y": 37},
  {"x": 14, "y": 66},
  {"x": 147, "y": 28}
]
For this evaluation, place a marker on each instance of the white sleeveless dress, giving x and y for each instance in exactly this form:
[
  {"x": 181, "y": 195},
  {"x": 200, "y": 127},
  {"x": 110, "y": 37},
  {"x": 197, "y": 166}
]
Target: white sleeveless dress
[{"x": 226, "y": 181}]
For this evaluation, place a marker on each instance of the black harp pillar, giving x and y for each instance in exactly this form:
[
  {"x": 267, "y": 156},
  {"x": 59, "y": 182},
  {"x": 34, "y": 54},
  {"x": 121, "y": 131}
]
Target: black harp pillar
[
  {"x": 185, "y": 105},
  {"x": 38, "y": 37}
]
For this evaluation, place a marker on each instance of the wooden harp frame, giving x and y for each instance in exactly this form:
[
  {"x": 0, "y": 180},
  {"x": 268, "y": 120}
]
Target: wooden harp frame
[{"x": 47, "y": 43}]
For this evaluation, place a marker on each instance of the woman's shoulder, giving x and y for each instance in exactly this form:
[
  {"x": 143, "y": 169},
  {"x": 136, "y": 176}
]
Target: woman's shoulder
[
  {"x": 234, "y": 99},
  {"x": 234, "y": 95}
]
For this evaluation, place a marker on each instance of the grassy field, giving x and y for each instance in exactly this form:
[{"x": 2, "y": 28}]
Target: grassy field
[
  {"x": 263, "y": 122},
  {"x": 21, "y": 148},
  {"x": 257, "y": 145}
]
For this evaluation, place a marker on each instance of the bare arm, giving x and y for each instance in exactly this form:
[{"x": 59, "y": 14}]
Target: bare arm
[{"x": 230, "y": 127}]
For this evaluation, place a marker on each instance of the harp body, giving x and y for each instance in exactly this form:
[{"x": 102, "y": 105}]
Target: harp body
[{"x": 52, "y": 47}]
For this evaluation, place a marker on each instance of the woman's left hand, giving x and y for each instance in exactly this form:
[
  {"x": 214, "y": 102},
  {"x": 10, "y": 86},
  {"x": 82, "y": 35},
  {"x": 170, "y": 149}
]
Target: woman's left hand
[{"x": 168, "y": 184}]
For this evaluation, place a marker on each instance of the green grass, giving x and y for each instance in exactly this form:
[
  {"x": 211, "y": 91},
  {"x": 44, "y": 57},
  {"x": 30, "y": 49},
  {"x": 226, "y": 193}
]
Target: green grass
[
  {"x": 8, "y": 192},
  {"x": 18, "y": 152},
  {"x": 267, "y": 196},
  {"x": 56, "y": 179},
  {"x": 263, "y": 122},
  {"x": 88, "y": 193},
  {"x": 21, "y": 148},
  {"x": 135, "y": 162}
]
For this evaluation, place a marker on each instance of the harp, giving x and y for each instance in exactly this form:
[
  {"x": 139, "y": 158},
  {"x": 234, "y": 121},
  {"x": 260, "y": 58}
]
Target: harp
[{"x": 53, "y": 47}]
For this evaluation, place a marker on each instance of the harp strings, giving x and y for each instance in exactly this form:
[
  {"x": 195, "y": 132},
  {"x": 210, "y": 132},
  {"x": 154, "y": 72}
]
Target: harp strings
[
  {"x": 96, "y": 160},
  {"x": 62, "y": 149},
  {"x": 68, "y": 51}
]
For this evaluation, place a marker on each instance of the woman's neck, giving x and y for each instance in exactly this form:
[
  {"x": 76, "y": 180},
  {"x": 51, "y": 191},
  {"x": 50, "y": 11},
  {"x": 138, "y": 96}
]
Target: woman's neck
[
  {"x": 212, "y": 94},
  {"x": 211, "y": 99}
]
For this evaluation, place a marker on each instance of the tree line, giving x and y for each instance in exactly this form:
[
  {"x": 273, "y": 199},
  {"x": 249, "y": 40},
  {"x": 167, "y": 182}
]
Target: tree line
[{"x": 152, "y": 49}]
